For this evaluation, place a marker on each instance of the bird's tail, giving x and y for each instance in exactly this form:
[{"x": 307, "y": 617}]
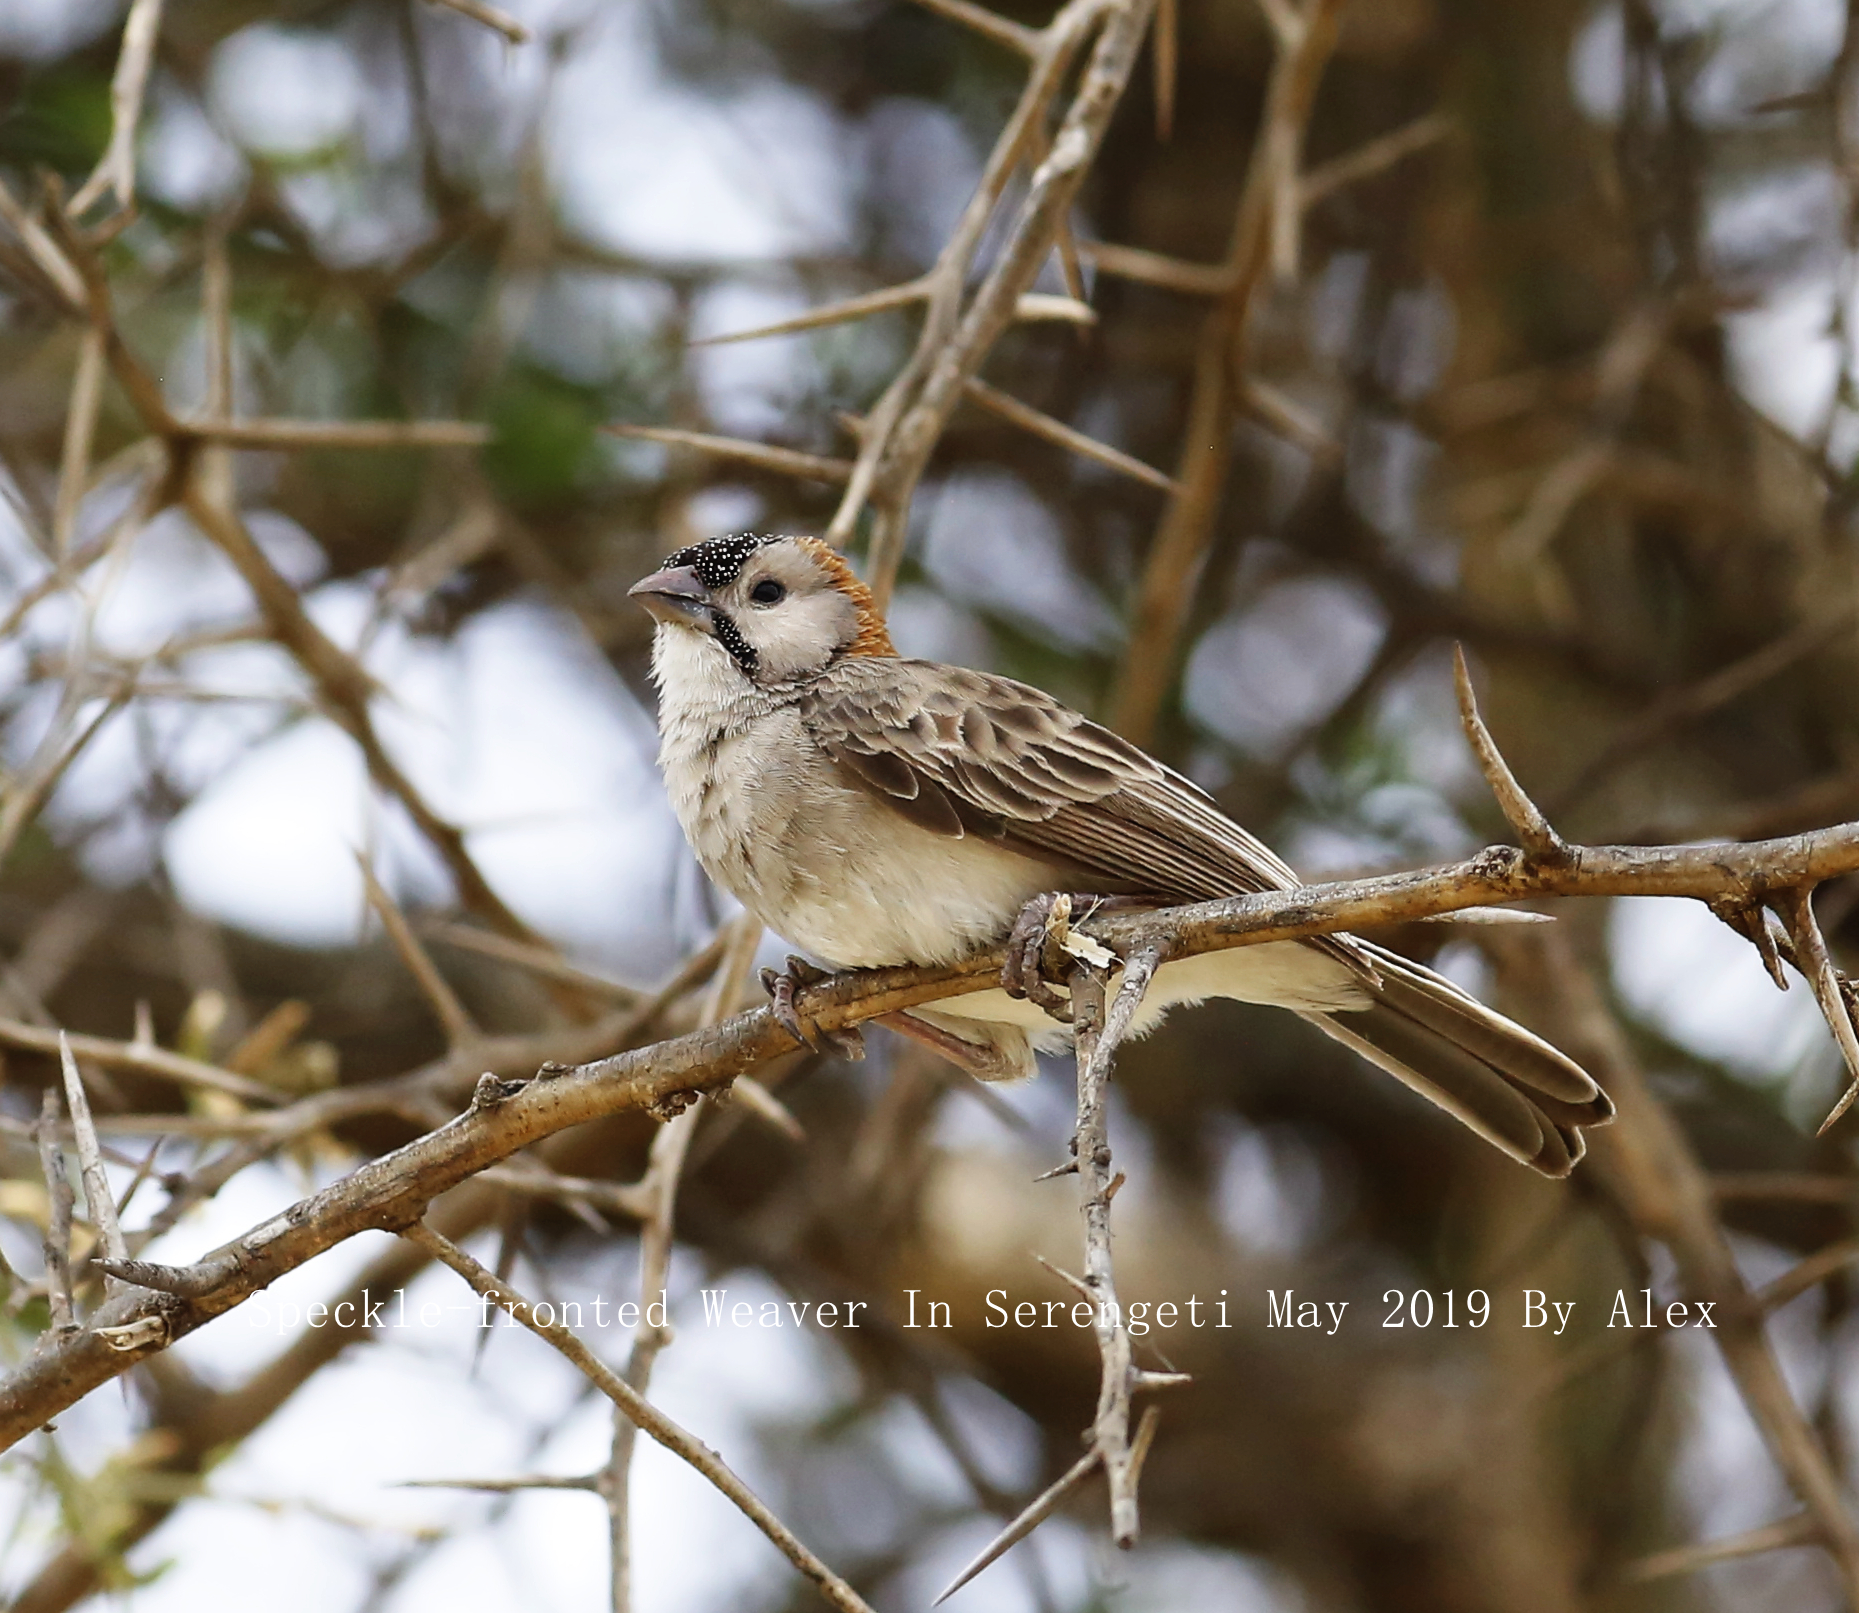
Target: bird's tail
[{"x": 1509, "y": 1086}]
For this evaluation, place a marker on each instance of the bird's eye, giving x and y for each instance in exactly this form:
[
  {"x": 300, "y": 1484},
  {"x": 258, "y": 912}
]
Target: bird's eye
[{"x": 767, "y": 592}]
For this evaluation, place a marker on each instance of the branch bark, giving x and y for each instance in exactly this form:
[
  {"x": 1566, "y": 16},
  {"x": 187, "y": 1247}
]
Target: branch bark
[{"x": 392, "y": 1191}]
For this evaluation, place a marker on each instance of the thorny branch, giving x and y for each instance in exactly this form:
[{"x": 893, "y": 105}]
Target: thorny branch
[{"x": 507, "y": 1115}]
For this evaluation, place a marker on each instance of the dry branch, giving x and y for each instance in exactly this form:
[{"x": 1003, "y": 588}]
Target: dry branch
[
  {"x": 143, "y": 1058},
  {"x": 391, "y": 1191},
  {"x": 1173, "y": 566},
  {"x": 1645, "y": 1163},
  {"x": 116, "y": 169},
  {"x": 909, "y": 420},
  {"x": 1041, "y": 1507},
  {"x": 643, "y": 1414},
  {"x": 1099, "y": 1034}
]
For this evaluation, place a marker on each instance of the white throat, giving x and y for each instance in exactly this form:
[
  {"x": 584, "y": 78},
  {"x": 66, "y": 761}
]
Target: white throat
[{"x": 700, "y": 689}]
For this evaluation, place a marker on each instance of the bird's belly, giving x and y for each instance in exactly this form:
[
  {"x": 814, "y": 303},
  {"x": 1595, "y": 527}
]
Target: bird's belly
[
  {"x": 1283, "y": 974},
  {"x": 926, "y": 901}
]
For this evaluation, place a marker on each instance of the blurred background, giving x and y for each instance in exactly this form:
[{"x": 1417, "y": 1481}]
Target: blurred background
[{"x": 1568, "y": 378}]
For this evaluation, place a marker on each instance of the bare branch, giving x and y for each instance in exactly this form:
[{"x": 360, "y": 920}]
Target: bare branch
[
  {"x": 144, "y": 1059},
  {"x": 460, "y": 1029},
  {"x": 1645, "y": 1163},
  {"x": 664, "y": 1170},
  {"x": 283, "y": 434},
  {"x": 80, "y": 430},
  {"x": 1289, "y": 419},
  {"x": 1098, "y": 1035},
  {"x": 832, "y": 313},
  {"x": 510, "y": 1116},
  {"x": 642, "y": 1414},
  {"x": 537, "y": 959},
  {"x": 1156, "y": 269},
  {"x": 1267, "y": 207},
  {"x": 1799, "y": 1530},
  {"x": 1795, "y": 1186},
  {"x": 1809, "y": 1273},
  {"x": 1287, "y": 22},
  {"x": 61, "y": 278},
  {"x": 1378, "y": 155},
  {"x": 1166, "y": 45},
  {"x": 1698, "y": 699},
  {"x": 1796, "y": 907},
  {"x": 116, "y": 169}
]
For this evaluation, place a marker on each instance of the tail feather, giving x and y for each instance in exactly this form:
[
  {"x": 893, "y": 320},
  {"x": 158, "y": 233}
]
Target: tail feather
[{"x": 1509, "y": 1086}]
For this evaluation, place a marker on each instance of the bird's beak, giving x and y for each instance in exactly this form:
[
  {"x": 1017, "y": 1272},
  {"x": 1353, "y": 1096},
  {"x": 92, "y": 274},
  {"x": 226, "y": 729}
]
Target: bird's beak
[{"x": 675, "y": 595}]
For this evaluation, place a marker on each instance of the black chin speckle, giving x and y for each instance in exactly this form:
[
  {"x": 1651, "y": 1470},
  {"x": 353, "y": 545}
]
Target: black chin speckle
[
  {"x": 719, "y": 562},
  {"x": 741, "y": 651}
]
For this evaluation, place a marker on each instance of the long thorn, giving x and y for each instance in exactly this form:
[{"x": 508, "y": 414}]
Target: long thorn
[
  {"x": 783, "y": 461},
  {"x": 1523, "y": 814},
  {"x": 1035, "y": 1514},
  {"x": 90, "y": 1157}
]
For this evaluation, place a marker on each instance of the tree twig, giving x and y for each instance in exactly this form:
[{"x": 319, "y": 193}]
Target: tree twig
[{"x": 642, "y": 1413}]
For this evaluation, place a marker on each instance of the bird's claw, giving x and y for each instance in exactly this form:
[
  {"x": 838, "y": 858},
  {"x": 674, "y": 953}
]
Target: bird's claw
[
  {"x": 781, "y": 986},
  {"x": 1034, "y": 962}
]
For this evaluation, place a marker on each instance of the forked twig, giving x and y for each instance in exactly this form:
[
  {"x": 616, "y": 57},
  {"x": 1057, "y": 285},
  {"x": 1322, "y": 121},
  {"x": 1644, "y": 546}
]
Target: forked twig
[
  {"x": 116, "y": 168},
  {"x": 642, "y": 1413}
]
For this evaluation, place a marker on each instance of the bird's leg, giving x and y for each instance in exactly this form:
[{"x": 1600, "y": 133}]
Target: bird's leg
[
  {"x": 984, "y": 1063},
  {"x": 781, "y": 986}
]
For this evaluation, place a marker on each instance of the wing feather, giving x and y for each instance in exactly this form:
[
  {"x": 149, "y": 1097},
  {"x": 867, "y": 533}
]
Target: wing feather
[{"x": 1010, "y": 760}]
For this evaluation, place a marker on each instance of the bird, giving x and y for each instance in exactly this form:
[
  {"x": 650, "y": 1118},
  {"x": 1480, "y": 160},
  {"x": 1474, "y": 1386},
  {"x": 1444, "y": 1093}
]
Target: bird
[{"x": 875, "y": 810}]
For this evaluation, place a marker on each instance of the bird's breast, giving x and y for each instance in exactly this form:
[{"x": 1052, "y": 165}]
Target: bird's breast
[{"x": 825, "y": 864}]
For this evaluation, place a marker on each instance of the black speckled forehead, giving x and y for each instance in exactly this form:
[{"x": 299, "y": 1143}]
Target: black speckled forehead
[{"x": 719, "y": 562}]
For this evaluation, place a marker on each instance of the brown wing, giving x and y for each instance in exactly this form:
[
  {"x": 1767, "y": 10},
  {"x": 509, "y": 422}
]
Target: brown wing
[{"x": 965, "y": 753}]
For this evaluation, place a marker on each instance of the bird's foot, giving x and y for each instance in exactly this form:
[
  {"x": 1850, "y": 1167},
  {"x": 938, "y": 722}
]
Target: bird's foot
[
  {"x": 1035, "y": 965},
  {"x": 781, "y": 986},
  {"x": 1039, "y": 964}
]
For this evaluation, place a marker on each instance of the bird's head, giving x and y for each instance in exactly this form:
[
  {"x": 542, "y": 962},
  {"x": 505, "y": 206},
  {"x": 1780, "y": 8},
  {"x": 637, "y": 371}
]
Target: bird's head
[{"x": 774, "y": 609}]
